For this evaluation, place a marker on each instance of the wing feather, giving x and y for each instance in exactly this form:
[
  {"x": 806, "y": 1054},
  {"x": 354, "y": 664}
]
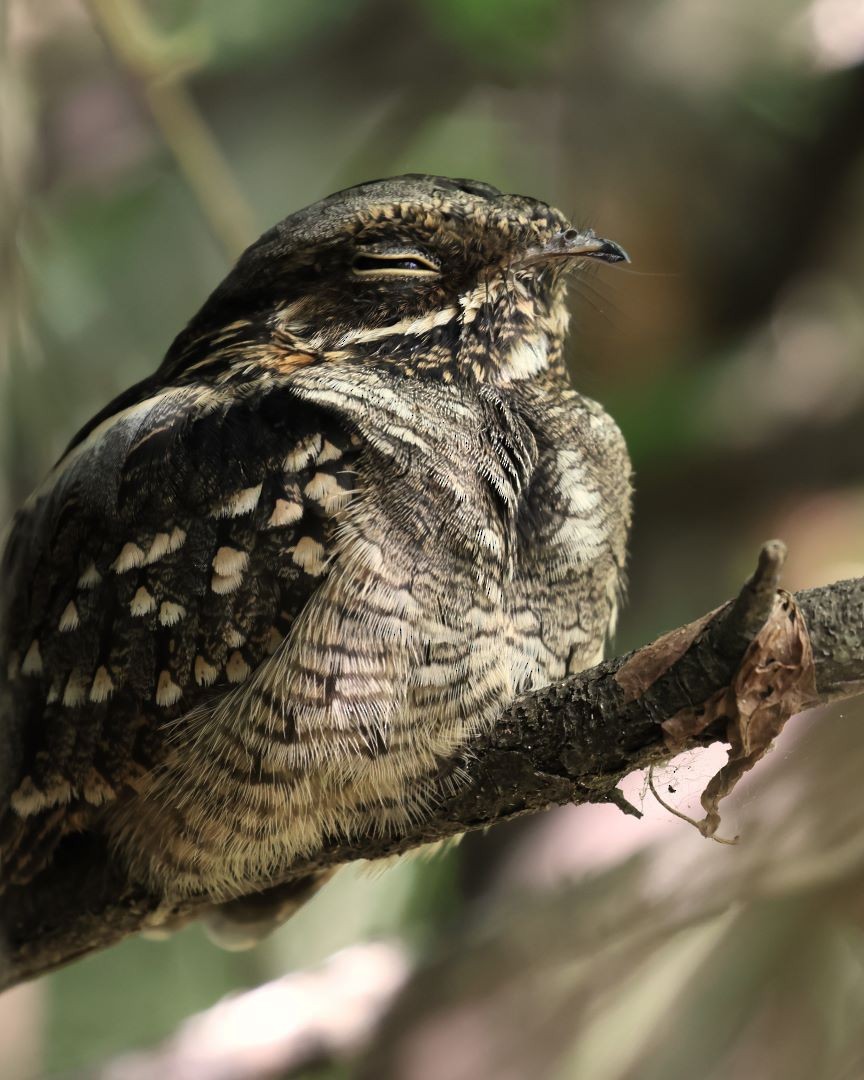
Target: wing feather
[{"x": 164, "y": 559}]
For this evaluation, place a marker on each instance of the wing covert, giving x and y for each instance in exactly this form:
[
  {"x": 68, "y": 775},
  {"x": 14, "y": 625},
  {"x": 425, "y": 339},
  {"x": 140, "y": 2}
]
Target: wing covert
[{"x": 167, "y": 556}]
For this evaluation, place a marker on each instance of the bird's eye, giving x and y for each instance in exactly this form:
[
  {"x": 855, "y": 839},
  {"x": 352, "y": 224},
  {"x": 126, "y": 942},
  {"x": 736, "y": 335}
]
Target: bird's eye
[{"x": 404, "y": 264}]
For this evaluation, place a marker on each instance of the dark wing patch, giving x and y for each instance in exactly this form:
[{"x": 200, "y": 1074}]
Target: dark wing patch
[{"x": 165, "y": 562}]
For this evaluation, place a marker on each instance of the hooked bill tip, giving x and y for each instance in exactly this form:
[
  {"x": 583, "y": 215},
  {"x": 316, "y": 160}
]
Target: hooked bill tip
[
  {"x": 572, "y": 244},
  {"x": 610, "y": 252}
]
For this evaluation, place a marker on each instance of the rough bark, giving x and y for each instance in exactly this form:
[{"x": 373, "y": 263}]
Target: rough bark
[{"x": 571, "y": 742}]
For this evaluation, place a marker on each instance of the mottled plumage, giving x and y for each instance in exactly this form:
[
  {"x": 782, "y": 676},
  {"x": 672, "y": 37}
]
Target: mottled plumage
[{"x": 356, "y": 510}]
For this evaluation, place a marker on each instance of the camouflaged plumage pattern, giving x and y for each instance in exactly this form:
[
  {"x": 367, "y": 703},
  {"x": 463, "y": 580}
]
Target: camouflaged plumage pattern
[{"x": 269, "y": 590}]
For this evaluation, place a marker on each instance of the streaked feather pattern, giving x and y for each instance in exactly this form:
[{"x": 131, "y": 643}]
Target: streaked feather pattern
[{"x": 271, "y": 589}]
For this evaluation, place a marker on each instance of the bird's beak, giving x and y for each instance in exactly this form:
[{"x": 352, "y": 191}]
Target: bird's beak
[{"x": 572, "y": 244}]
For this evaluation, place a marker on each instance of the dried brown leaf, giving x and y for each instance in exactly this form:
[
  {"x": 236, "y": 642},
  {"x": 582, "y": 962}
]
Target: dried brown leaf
[
  {"x": 646, "y": 665},
  {"x": 775, "y": 680},
  {"x": 689, "y": 723}
]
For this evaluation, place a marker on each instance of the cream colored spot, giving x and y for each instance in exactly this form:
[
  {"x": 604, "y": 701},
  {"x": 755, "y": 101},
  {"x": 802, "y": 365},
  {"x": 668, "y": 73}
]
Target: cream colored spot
[
  {"x": 13, "y": 665},
  {"x": 224, "y": 585},
  {"x": 171, "y": 613},
  {"x": 76, "y": 690},
  {"x": 205, "y": 674},
  {"x": 237, "y": 669},
  {"x": 274, "y": 640},
  {"x": 164, "y": 544},
  {"x": 329, "y": 452},
  {"x": 102, "y": 686},
  {"x": 69, "y": 618},
  {"x": 52, "y": 695},
  {"x": 28, "y": 799},
  {"x": 284, "y": 513},
  {"x": 96, "y": 791},
  {"x": 303, "y": 453},
  {"x": 229, "y": 565},
  {"x": 130, "y": 556},
  {"x": 325, "y": 489},
  {"x": 167, "y": 691},
  {"x": 243, "y": 502},
  {"x": 229, "y": 561},
  {"x": 142, "y": 603},
  {"x": 32, "y": 662},
  {"x": 309, "y": 555},
  {"x": 159, "y": 547},
  {"x": 90, "y": 578},
  {"x": 234, "y": 638}
]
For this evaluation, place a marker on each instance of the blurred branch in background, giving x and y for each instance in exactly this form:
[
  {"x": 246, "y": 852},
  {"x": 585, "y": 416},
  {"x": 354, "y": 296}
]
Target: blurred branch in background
[
  {"x": 14, "y": 157},
  {"x": 158, "y": 65},
  {"x": 302, "y": 1021},
  {"x": 16, "y": 149}
]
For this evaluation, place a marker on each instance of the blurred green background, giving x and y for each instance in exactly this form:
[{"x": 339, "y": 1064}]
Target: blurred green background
[{"x": 722, "y": 144}]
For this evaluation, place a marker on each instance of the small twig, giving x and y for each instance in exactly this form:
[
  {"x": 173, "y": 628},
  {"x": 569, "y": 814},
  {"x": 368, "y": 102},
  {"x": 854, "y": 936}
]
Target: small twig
[
  {"x": 698, "y": 825},
  {"x": 301, "y": 1021},
  {"x": 15, "y": 162},
  {"x": 753, "y": 604},
  {"x": 616, "y": 797},
  {"x": 157, "y": 68}
]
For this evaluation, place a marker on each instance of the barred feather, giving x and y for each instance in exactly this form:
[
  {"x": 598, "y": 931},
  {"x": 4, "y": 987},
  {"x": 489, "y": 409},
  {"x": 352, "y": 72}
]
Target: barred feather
[{"x": 270, "y": 589}]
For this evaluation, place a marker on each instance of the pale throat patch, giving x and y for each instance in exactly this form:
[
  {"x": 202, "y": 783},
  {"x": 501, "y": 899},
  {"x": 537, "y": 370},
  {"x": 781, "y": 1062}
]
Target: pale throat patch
[
  {"x": 527, "y": 357},
  {"x": 530, "y": 354}
]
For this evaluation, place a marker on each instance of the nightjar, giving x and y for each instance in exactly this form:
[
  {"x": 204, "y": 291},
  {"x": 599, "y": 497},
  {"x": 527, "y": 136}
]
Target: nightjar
[{"x": 357, "y": 509}]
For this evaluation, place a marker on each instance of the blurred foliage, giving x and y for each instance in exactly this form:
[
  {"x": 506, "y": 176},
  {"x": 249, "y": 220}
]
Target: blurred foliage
[
  {"x": 723, "y": 145},
  {"x": 510, "y": 35}
]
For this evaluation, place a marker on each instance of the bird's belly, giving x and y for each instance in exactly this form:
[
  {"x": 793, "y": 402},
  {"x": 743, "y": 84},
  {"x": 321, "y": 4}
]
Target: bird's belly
[{"x": 344, "y": 730}]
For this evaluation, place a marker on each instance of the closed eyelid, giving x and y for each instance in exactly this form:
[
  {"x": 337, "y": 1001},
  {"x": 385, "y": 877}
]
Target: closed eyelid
[{"x": 405, "y": 262}]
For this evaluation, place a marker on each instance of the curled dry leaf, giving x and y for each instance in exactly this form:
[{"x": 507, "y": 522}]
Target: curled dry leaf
[
  {"x": 775, "y": 680},
  {"x": 646, "y": 665}
]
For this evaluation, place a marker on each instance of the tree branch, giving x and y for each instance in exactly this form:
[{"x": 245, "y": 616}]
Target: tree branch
[
  {"x": 156, "y": 65},
  {"x": 570, "y": 742}
]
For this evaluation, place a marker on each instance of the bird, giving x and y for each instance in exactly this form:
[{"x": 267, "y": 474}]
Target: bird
[{"x": 359, "y": 507}]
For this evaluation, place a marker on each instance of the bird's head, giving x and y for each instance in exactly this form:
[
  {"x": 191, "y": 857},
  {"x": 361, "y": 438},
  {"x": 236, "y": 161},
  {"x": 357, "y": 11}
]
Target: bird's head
[{"x": 424, "y": 274}]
